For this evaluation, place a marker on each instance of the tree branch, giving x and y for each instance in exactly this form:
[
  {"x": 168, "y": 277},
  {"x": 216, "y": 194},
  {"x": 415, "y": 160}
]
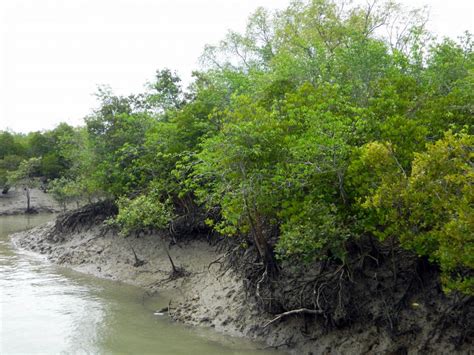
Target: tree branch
[{"x": 290, "y": 313}]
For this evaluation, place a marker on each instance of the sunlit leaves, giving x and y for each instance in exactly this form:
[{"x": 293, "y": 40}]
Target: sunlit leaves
[{"x": 430, "y": 211}]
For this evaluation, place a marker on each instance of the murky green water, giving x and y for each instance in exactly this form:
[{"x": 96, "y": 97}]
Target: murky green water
[{"x": 50, "y": 310}]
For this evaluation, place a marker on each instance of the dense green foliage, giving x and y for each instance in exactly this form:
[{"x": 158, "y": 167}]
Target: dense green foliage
[
  {"x": 50, "y": 147},
  {"x": 317, "y": 125},
  {"x": 26, "y": 177},
  {"x": 431, "y": 210}
]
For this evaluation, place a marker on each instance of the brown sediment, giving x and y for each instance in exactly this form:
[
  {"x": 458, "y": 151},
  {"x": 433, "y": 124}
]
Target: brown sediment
[
  {"x": 14, "y": 202},
  {"x": 367, "y": 308}
]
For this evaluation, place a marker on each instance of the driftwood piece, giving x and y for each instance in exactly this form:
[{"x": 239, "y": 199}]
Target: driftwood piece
[{"x": 292, "y": 312}]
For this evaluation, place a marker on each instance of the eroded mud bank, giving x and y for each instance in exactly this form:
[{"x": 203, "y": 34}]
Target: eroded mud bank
[
  {"x": 212, "y": 294},
  {"x": 14, "y": 202}
]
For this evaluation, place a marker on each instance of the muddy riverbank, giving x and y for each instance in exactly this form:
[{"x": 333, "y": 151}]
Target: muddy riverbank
[
  {"x": 14, "y": 202},
  {"x": 214, "y": 293},
  {"x": 49, "y": 309},
  {"x": 204, "y": 296}
]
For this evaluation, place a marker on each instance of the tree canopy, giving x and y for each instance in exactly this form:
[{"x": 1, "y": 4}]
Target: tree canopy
[{"x": 318, "y": 124}]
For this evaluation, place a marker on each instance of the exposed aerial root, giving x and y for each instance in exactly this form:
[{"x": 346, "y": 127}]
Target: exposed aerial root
[{"x": 88, "y": 215}]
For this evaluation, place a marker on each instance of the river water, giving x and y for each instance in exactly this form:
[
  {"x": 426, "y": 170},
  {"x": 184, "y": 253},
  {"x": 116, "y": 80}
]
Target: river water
[{"x": 51, "y": 310}]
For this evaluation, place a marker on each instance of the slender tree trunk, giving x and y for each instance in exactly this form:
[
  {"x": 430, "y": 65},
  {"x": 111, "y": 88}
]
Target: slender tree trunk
[
  {"x": 165, "y": 247},
  {"x": 28, "y": 208},
  {"x": 264, "y": 249}
]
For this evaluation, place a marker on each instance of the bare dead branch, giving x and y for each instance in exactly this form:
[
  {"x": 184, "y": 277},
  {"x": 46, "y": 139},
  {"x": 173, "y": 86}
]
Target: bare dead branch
[{"x": 293, "y": 312}]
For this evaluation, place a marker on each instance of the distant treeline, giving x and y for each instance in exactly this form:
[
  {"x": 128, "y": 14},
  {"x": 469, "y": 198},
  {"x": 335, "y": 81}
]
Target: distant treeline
[{"x": 317, "y": 125}]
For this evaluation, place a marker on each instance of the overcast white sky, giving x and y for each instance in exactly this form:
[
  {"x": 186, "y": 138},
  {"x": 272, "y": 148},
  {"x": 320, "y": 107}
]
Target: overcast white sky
[{"x": 54, "y": 53}]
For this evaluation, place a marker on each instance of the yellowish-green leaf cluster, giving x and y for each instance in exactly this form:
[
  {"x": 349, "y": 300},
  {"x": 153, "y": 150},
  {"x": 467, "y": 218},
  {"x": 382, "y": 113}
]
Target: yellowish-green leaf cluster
[{"x": 431, "y": 211}]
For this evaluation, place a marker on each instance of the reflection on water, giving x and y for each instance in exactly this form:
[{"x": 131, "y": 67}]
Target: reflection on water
[{"x": 48, "y": 309}]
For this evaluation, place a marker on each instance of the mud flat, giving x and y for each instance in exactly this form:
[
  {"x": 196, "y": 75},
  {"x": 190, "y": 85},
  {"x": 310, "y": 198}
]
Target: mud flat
[
  {"x": 213, "y": 291},
  {"x": 14, "y": 202}
]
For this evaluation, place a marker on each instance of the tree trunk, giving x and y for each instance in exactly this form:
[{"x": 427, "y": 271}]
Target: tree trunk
[
  {"x": 28, "y": 207},
  {"x": 175, "y": 270},
  {"x": 264, "y": 249}
]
